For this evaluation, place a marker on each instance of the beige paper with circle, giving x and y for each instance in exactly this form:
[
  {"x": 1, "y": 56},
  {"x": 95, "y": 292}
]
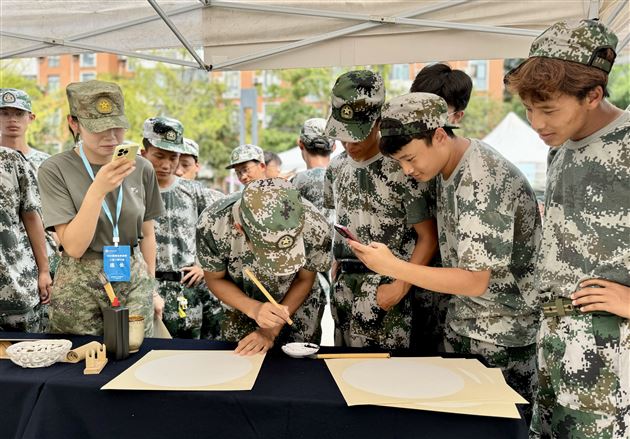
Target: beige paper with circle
[
  {"x": 436, "y": 384},
  {"x": 190, "y": 371}
]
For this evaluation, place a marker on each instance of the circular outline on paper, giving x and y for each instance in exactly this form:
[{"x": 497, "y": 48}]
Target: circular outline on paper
[
  {"x": 194, "y": 369},
  {"x": 398, "y": 379}
]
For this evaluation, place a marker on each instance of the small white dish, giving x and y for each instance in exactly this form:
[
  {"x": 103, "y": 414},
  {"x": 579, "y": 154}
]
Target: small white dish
[
  {"x": 41, "y": 353},
  {"x": 300, "y": 349}
]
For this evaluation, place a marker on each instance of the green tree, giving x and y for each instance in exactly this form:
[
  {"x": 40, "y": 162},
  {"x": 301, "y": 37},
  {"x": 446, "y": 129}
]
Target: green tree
[
  {"x": 297, "y": 86},
  {"x": 189, "y": 96},
  {"x": 49, "y": 128},
  {"x": 619, "y": 85}
]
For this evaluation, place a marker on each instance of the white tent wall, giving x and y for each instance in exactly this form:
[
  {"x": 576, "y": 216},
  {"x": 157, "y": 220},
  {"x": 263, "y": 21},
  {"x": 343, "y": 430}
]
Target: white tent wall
[{"x": 243, "y": 35}]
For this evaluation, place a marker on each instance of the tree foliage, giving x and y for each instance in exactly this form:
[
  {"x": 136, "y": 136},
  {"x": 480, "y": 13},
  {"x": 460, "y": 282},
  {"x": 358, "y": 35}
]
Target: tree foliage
[{"x": 192, "y": 99}]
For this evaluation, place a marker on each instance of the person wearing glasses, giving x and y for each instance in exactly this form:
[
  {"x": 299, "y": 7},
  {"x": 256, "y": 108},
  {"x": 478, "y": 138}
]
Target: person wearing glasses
[{"x": 248, "y": 162}]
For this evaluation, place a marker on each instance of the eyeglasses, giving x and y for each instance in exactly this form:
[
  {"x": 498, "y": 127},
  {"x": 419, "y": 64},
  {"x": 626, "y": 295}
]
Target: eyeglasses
[{"x": 244, "y": 170}]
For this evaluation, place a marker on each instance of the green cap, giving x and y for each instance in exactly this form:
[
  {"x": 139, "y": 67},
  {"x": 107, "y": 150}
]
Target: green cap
[
  {"x": 272, "y": 215},
  {"x": 576, "y": 41},
  {"x": 414, "y": 113},
  {"x": 165, "y": 133},
  {"x": 357, "y": 97},
  {"x": 15, "y": 98},
  {"x": 246, "y": 153},
  {"x": 98, "y": 105},
  {"x": 192, "y": 148}
]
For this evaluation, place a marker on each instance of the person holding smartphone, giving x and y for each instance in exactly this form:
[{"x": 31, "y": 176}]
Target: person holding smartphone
[{"x": 102, "y": 211}]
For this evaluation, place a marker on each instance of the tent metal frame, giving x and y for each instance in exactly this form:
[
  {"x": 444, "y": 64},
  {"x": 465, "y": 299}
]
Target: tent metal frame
[{"x": 367, "y": 22}]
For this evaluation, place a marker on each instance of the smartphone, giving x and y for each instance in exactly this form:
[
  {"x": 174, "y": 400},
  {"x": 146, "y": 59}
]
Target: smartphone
[
  {"x": 345, "y": 232},
  {"x": 127, "y": 151}
]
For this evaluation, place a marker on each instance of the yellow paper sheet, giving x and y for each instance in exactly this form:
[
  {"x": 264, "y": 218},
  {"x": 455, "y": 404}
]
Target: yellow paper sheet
[
  {"x": 190, "y": 371},
  {"x": 452, "y": 385}
]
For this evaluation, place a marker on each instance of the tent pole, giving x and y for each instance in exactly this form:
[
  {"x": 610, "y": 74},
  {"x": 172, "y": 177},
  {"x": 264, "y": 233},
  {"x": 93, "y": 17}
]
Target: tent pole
[
  {"x": 378, "y": 19},
  {"x": 329, "y": 36},
  {"x": 179, "y": 35},
  {"x": 116, "y": 27},
  {"x": 615, "y": 12},
  {"x": 91, "y": 48}
]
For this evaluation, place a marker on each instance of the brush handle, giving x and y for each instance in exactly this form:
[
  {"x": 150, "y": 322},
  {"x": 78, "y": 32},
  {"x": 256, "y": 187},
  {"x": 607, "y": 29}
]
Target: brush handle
[
  {"x": 264, "y": 291},
  {"x": 366, "y": 355}
]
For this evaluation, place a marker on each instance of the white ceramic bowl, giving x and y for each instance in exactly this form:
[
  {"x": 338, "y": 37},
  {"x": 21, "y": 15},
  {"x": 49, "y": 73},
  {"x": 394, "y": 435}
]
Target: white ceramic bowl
[
  {"x": 41, "y": 353},
  {"x": 299, "y": 349}
]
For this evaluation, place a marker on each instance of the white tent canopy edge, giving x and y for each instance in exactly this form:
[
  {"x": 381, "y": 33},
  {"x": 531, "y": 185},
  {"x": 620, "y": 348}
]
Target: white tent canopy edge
[{"x": 260, "y": 34}]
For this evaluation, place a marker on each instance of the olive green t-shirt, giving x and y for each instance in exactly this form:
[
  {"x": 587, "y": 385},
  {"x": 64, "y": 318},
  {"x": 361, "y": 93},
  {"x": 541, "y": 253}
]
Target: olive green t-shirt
[{"x": 64, "y": 182}]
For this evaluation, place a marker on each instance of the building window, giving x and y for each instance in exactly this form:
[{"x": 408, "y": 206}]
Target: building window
[
  {"x": 232, "y": 82},
  {"x": 88, "y": 76},
  {"x": 88, "y": 60},
  {"x": 400, "y": 72},
  {"x": 478, "y": 71},
  {"x": 269, "y": 80},
  {"x": 53, "y": 83},
  {"x": 53, "y": 61}
]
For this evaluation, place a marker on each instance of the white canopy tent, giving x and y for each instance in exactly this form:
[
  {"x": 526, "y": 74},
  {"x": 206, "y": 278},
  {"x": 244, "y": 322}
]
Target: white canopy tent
[
  {"x": 260, "y": 34},
  {"x": 519, "y": 143}
]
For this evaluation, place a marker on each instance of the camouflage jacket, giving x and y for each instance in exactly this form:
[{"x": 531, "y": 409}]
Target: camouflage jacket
[
  {"x": 174, "y": 230},
  {"x": 488, "y": 220},
  {"x": 35, "y": 158},
  {"x": 310, "y": 184},
  {"x": 586, "y": 231},
  {"x": 377, "y": 202},
  {"x": 18, "y": 270},
  {"x": 221, "y": 247}
]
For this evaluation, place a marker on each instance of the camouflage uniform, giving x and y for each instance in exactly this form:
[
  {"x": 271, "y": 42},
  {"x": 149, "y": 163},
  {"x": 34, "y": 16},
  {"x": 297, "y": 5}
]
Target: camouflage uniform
[
  {"x": 19, "y": 298},
  {"x": 15, "y": 98},
  {"x": 310, "y": 183},
  {"x": 183, "y": 203},
  {"x": 78, "y": 297},
  {"x": 377, "y": 202},
  {"x": 584, "y": 359},
  {"x": 488, "y": 219},
  {"x": 286, "y": 233}
]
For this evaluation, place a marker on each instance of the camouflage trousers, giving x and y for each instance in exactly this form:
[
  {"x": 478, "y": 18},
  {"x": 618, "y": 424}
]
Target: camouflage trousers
[
  {"x": 584, "y": 374},
  {"x": 78, "y": 297},
  {"x": 211, "y": 314},
  {"x": 306, "y": 321},
  {"x": 360, "y": 322},
  {"x": 182, "y": 309},
  {"x": 29, "y": 321},
  {"x": 518, "y": 364}
]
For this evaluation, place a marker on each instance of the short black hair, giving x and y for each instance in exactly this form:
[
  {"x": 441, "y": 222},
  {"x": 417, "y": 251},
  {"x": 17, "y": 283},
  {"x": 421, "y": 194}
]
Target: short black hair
[
  {"x": 272, "y": 157},
  {"x": 390, "y": 145},
  {"x": 454, "y": 86}
]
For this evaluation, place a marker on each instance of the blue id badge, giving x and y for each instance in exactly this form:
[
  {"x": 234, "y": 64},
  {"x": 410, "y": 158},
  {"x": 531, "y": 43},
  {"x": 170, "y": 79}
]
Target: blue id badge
[{"x": 117, "y": 263}]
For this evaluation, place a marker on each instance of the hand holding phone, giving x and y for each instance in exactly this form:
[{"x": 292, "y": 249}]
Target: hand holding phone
[
  {"x": 127, "y": 151},
  {"x": 345, "y": 232}
]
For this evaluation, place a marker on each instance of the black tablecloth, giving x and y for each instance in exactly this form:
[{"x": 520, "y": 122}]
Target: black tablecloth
[{"x": 292, "y": 399}]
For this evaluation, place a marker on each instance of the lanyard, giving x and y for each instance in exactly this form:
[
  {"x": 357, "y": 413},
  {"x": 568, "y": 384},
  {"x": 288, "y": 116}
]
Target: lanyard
[{"x": 108, "y": 213}]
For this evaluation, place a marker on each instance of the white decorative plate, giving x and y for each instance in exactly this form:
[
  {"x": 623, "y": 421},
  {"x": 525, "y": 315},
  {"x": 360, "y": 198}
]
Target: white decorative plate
[{"x": 41, "y": 353}]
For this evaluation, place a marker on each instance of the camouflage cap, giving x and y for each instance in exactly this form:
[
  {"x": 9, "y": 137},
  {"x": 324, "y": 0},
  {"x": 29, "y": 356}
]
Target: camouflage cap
[
  {"x": 165, "y": 133},
  {"x": 414, "y": 113},
  {"x": 192, "y": 148},
  {"x": 357, "y": 97},
  {"x": 272, "y": 215},
  {"x": 245, "y": 153},
  {"x": 312, "y": 135},
  {"x": 98, "y": 105},
  {"x": 576, "y": 41},
  {"x": 15, "y": 98}
]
